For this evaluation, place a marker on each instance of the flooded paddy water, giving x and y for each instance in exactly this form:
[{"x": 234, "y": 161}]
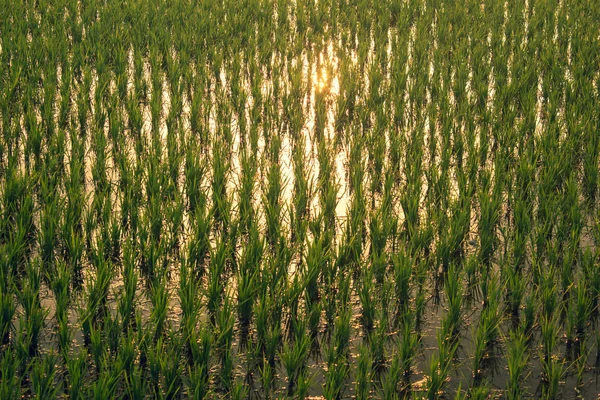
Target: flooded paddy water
[{"x": 325, "y": 199}]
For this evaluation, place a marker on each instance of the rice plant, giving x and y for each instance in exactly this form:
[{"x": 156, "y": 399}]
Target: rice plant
[
  {"x": 363, "y": 372},
  {"x": 517, "y": 358},
  {"x": 439, "y": 366}
]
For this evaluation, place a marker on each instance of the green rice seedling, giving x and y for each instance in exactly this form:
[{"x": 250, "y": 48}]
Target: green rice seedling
[
  {"x": 220, "y": 199},
  {"x": 569, "y": 325},
  {"x": 262, "y": 324},
  {"x": 420, "y": 303},
  {"x": 34, "y": 314},
  {"x": 315, "y": 260},
  {"x": 97, "y": 291},
  {"x": 570, "y": 225},
  {"x": 581, "y": 362},
  {"x": 76, "y": 367},
  {"x": 126, "y": 354},
  {"x": 328, "y": 214},
  {"x": 194, "y": 171},
  {"x": 201, "y": 347},
  {"x": 159, "y": 296},
  {"x": 239, "y": 391},
  {"x": 154, "y": 354},
  {"x": 266, "y": 375},
  {"x": 217, "y": 266},
  {"x": 344, "y": 290},
  {"x": 7, "y": 308},
  {"x": 592, "y": 277},
  {"x": 187, "y": 293},
  {"x": 272, "y": 194},
  {"x": 590, "y": 169},
  {"x": 490, "y": 206},
  {"x": 517, "y": 358},
  {"x": 294, "y": 291},
  {"x": 549, "y": 331},
  {"x": 529, "y": 313},
  {"x": 97, "y": 348},
  {"x": 460, "y": 395},
  {"x": 33, "y": 145},
  {"x": 335, "y": 375},
  {"x": 246, "y": 189},
  {"x": 479, "y": 392},
  {"x": 275, "y": 276},
  {"x": 199, "y": 245},
  {"x": 515, "y": 290},
  {"x": 392, "y": 378},
  {"x": 335, "y": 298},
  {"x": 304, "y": 384},
  {"x": 314, "y": 312},
  {"x": 378, "y": 258},
  {"x": 402, "y": 265},
  {"x": 410, "y": 201},
  {"x": 355, "y": 236},
  {"x": 111, "y": 234},
  {"x": 223, "y": 342},
  {"x": 99, "y": 175},
  {"x": 377, "y": 340},
  {"x": 487, "y": 330},
  {"x": 368, "y": 307},
  {"x": 18, "y": 207},
  {"x": 74, "y": 244},
  {"x": 156, "y": 222},
  {"x": 60, "y": 288},
  {"x": 548, "y": 297},
  {"x": 479, "y": 352},
  {"x": 554, "y": 371},
  {"x": 43, "y": 375},
  {"x": 17, "y": 252},
  {"x": 522, "y": 223},
  {"x": 175, "y": 227},
  {"x": 252, "y": 360},
  {"x": 460, "y": 224},
  {"x": 199, "y": 385},
  {"x": 126, "y": 302},
  {"x": 248, "y": 284},
  {"x": 65, "y": 336},
  {"x": 341, "y": 333},
  {"x": 364, "y": 372},
  {"x": 48, "y": 231},
  {"x": 198, "y": 371},
  {"x": 408, "y": 346},
  {"x": 10, "y": 385},
  {"x": 171, "y": 369},
  {"x": 453, "y": 286},
  {"x": 302, "y": 185},
  {"x": 583, "y": 309},
  {"x": 106, "y": 384},
  {"x": 293, "y": 357},
  {"x": 22, "y": 346},
  {"x": 439, "y": 366},
  {"x": 566, "y": 272}
]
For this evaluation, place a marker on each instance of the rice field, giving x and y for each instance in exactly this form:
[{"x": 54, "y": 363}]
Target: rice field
[{"x": 321, "y": 199}]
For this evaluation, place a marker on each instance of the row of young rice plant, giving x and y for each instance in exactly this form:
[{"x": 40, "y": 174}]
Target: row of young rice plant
[{"x": 265, "y": 199}]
